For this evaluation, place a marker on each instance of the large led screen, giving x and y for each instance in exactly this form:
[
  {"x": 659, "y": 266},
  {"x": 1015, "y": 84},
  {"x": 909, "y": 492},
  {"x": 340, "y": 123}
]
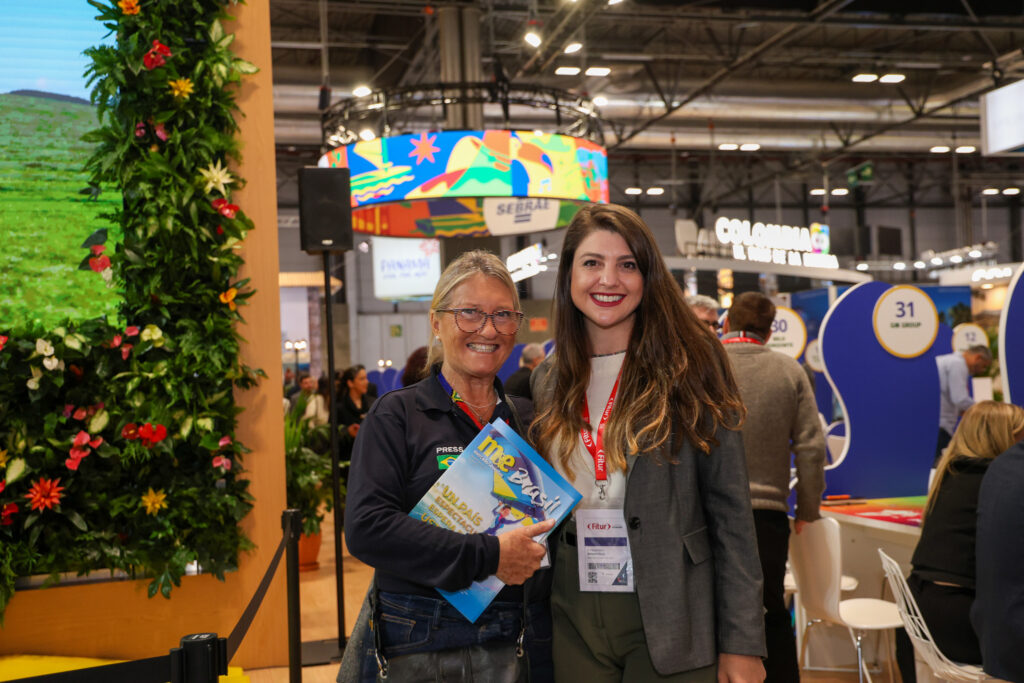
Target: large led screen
[{"x": 47, "y": 208}]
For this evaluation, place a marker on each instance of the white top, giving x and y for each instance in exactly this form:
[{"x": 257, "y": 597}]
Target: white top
[{"x": 603, "y": 372}]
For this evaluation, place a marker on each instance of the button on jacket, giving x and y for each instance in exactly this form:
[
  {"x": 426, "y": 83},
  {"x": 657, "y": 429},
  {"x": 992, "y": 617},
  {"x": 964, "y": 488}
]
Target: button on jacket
[{"x": 395, "y": 460}]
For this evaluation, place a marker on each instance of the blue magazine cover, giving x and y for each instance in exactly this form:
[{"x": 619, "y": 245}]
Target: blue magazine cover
[{"x": 498, "y": 483}]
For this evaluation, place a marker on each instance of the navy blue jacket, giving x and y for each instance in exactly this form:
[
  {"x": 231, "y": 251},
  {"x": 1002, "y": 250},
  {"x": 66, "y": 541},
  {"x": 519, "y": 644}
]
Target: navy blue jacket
[{"x": 395, "y": 460}]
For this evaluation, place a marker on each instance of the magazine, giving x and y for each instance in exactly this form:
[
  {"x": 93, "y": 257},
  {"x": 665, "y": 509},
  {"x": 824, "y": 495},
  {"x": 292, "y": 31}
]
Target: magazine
[{"x": 497, "y": 484}]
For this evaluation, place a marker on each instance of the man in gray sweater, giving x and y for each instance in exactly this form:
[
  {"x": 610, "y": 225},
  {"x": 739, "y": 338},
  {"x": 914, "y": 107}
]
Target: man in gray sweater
[{"x": 782, "y": 419}]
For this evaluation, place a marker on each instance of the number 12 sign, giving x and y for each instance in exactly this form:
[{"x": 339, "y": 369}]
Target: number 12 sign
[{"x": 905, "y": 321}]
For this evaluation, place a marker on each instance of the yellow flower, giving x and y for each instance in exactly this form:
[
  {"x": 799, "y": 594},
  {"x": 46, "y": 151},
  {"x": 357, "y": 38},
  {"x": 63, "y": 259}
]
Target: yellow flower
[
  {"x": 154, "y": 501},
  {"x": 228, "y": 298},
  {"x": 129, "y": 6},
  {"x": 181, "y": 88},
  {"x": 3, "y": 458},
  {"x": 216, "y": 177}
]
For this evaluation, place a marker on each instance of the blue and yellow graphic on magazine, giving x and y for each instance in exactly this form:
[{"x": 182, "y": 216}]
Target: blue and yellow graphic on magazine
[{"x": 498, "y": 483}]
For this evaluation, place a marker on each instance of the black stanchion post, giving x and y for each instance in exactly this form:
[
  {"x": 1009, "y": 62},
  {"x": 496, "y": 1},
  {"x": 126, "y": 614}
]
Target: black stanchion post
[
  {"x": 201, "y": 658},
  {"x": 335, "y": 466},
  {"x": 291, "y": 522}
]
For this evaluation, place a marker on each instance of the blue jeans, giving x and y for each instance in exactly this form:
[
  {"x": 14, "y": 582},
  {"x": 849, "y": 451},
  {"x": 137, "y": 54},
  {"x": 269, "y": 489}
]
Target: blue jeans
[{"x": 414, "y": 623}]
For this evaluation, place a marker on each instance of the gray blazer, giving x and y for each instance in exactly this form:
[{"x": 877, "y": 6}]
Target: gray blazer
[{"x": 695, "y": 560}]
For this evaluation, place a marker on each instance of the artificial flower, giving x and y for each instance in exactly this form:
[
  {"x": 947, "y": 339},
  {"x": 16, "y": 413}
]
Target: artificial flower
[
  {"x": 68, "y": 409},
  {"x": 44, "y": 348},
  {"x": 33, "y": 382},
  {"x": 154, "y": 501},
  {"x": 6, "y": 513},
  {"x": 140, "y": 129},
  {"x": 224, "y": 441},
  {"x": 3, "y": 340},
  {"x": 130, "y": 431},
  {"x": 227, "y": 210},
  {"x": 160, "y": 132},
  {"x": 99, "y": 263},
  {"x": 80, "y": 413},
  {"x": 45, "y": 494},
  {"x": 126, "y": 351},
  {"x": 228, "y": 298},
  {"x": 115, "y": 342},
  {"x": 129, "y": 7},
  {"x": 152, "y": 435},
  {"x": 152, "y": 333},
  {"x": 97, "y": 249},
  {"x": 216, "y": 177},
  {"x": 51, "y": 362},
  {"x": 81, "y": 438},
  {"x": 155, "y": 56},
  {"x": 3, "y": 485},
  {"x": 181, "y": 88},
  {"x": 76, "y": 371},
  {"x": 222, "y": 462},
  {"x": 131, "y": 331}
]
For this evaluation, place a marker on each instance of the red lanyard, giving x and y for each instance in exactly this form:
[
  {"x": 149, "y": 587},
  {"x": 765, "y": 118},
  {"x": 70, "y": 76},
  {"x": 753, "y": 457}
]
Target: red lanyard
[
  {"x": 736, "y": 340},
  {"x": 595, "y": 446},
  {"x": 457, "y": 400}
]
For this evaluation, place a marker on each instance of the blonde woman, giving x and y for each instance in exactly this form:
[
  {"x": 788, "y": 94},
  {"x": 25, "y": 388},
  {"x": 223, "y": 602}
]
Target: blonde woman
[
  {"x": 943, "y": 579},
  {"x": 404, "y": 445},
  {"x": 637, "y": 406}
]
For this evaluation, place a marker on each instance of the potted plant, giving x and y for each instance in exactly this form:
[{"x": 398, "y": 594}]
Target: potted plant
[{"x": 308, "y": 481}]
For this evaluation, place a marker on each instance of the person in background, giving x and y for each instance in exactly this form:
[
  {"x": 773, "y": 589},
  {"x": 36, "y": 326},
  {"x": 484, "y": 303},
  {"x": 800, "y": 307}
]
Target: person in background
[
  {"x": 998, "y": 611},
  {"x": 404, "y": 446},
  {"x": 943, "y": 577},
  {"x": 415, "y": 367},
  {"x": 648, "y": 433},
  {"x": 706, "y": 310},
  {"x": 317, "y": 404},
  {"x": 955, "y": 371},
  {"x": 518, "y": 383},
  {"x": 307, "y": 388},
  {"x": 289, "y": 378},
  {"x": 782, "y": 419},
  {"x": 353, "y": 400}
]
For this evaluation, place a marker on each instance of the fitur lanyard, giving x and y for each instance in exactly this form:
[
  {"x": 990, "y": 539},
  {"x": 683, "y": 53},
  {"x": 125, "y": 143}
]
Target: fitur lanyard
[
  {"x": 742, "y": 338},
  {"x": 457, "y": 400},
  {"x": 596, "y": 446}
]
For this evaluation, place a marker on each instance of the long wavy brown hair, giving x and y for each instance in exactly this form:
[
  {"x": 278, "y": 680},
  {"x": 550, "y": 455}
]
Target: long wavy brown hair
[{"x": 675, "y": 374}]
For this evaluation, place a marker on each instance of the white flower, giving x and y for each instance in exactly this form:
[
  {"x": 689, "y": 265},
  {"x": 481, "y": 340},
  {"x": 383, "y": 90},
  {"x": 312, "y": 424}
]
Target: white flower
[
  {"x": 33, "y": 383},
  {"x": 44, "y": 348},
  {"x": 108, "y": 275},
  {"x": 216, "y": 177},
  {"x": 72, "y": 341},
  {"x": 50, "y": 362}
]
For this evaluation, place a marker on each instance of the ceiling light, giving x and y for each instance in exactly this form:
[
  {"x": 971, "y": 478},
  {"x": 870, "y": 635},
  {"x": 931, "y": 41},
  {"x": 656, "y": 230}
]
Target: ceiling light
[
  {"x": 990, "y": 191},
  {"x": 865, "y": 78},
  {"x": 366, "y": 134},
  {"x": 598, "y": 71},
  {"x": 533, "y": 38},
  {"x": 919, "y": 264},
  {"x": 602, "y": 101},
  {"x": 840, "y": 192},
  {"x": 974, "y": 253},
  {"x": 573, "y": 47},
  {"x": 987, "y": 285},
  {"x": 749, "y": 147},
  {"x": 892, "y": 78},
  {"x": 728, "y": 146},
  {"x": 862, "y": 266},
  {"x": 965, "y": 149},
  {"x": 1011, "y": 191},
  {"x": 936, "y": 260},
  {"x": 956, "y": 258},
  {"x": 899, "y": 265},
  {"x": 655, "y": 191},
  {"x": 939, "y": 149},
  {"x": 567, "y": 71},
  {"x": 361, "y": 91},
  {"x": 614, "y": 2},
  {"x": 818, "y": 192},
  {"x": 634, "y": 191}
]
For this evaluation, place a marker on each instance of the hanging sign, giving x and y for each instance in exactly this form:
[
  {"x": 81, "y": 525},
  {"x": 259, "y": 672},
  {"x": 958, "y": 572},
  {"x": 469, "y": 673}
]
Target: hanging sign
[
  {"x": 789, "y": 334},
  {"x": 905, "y": 321},
  {"x": 779, "y": 244},
  {"x": 966, "y": 335}
]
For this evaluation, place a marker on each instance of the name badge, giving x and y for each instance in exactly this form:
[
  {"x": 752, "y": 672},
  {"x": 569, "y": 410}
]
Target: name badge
[{"x": 605, "y": 563}]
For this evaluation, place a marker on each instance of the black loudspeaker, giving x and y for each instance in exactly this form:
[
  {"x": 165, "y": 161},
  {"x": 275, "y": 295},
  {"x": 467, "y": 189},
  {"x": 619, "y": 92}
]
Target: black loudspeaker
[{"x": 325, "y": 209}]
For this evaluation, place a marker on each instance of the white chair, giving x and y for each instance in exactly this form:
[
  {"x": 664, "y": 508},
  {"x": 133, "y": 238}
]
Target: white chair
[
  {"x": 815, "y": 558},
  {"x": 913, "y": 622}
]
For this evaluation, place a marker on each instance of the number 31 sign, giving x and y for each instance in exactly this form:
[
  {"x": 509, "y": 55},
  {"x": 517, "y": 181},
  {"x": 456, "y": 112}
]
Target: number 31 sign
[{"x": 905, "y": 321}]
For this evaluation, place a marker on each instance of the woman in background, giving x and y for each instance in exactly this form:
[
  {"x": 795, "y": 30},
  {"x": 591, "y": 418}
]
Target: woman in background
[
  {"x": 354, "y": 400},
  {"x": 646, "y": 428}
]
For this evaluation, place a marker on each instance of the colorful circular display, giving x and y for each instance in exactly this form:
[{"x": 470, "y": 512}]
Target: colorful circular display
[{"x": 905, "y": 321}]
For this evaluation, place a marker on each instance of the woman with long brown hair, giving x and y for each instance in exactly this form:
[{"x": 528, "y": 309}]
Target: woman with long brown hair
[{"x": 656, "y": 576}]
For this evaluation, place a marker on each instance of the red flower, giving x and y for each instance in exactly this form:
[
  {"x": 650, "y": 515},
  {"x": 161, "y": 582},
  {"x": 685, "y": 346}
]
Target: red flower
[
  {"x": 224, "y": 441},
  {"x": 152, "y": 435},
  {"x": 152, "y": 60},
  {"x": 3, "y": 340},
  {"x": 161, "y": 48},
  {"x": 45, "y": 494},
  {"x": 80, "y": 414},
  {"x": 160, "y": 131},
  {"x": 3, "y": 485},
  {"x": 126, "y": 351},
  {"x": 130, "y": 431},
  {"x": 115, "y": 342},
  {"x": 131, "y": 330},
  {"x": 220, "y": 230},
  {"x": 76, "y": 371},
  {"x": 93, "y": 409},
  {"x": 5, "y": 514},
  {"x": 225, "y": 209},
  {"x": 81, "y": 438},
  {"x": 97, "y": 249},
  {"x": 96, "y": 441},
  {"x": 99, "y": 263},
  {"x": 140, "y": 127},
  {"x": 68, "y": 409},
  {"x": 222, "y": 462}
]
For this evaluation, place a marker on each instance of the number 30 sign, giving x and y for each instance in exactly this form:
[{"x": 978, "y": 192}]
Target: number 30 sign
[{"x": 905, "y": 321}]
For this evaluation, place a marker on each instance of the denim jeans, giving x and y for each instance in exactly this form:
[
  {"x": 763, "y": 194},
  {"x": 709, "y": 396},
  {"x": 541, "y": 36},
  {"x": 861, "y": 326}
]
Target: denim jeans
[{"x": 414, "y": 623}]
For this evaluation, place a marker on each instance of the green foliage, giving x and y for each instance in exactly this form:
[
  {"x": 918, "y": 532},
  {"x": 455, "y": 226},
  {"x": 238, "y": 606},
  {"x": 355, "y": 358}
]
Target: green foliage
[
  {"x": 135, "y": 420},
  {"x": 307, "y": 472}
]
